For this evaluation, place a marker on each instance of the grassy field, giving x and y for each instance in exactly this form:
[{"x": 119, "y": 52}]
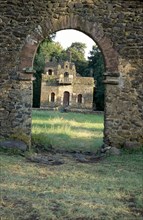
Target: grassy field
[
  {"x": 69, "y": 131},
  {"x": 110, "y": 189}
]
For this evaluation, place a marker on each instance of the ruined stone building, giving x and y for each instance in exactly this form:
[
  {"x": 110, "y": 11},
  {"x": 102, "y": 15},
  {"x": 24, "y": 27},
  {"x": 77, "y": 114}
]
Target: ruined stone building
[{"x": 62, "y": 86}]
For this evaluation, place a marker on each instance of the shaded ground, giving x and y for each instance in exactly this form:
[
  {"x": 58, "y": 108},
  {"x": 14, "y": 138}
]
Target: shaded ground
[
  {"x": 111, "y": 188},
  {"x": 53, "y": 156}
]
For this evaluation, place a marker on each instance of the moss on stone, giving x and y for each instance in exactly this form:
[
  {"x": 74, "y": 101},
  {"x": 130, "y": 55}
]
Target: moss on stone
[{"x": 19, "y": 135}]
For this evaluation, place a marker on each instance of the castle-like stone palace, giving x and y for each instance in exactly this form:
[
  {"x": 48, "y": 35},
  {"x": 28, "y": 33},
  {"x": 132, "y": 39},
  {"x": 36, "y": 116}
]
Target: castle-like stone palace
[{"x": 62, "y": 86}]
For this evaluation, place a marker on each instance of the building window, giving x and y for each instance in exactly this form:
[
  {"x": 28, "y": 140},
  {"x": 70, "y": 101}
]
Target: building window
[
  {"x": 52, "y": 97},
  {"x": 79, "y": 98},
  {"x": 50, "y": 72},
  {"x": 66, "y": 74}
]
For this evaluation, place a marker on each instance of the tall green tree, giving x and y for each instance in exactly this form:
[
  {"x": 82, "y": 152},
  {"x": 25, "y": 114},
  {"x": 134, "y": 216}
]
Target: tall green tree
[
  {"x": 51, "y": 49},
  {"x": 77, "y": 51},
  {"x": 96, "y": 68}
]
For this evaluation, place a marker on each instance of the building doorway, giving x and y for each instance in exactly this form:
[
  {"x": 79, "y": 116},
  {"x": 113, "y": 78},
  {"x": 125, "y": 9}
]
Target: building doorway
[{"x": 66, "y": 99}]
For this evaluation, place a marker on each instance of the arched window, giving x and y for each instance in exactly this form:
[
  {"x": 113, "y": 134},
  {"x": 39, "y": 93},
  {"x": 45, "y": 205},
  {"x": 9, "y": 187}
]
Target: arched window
[
  {"x": 50, "y": 72},
  {"x": 52, "y": 97},
  {"x": 66, "y": 74},
  {"x": 79, "y": 98}
]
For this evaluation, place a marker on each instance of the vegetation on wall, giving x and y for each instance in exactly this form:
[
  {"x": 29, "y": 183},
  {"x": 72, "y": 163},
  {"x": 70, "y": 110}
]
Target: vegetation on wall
[{"x": 94, "y": 66}]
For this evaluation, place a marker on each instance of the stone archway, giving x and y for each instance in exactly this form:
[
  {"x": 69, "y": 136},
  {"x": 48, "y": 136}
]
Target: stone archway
[
  {"x": 105, "y": 24},
  {"x": 93, "y": 30}
]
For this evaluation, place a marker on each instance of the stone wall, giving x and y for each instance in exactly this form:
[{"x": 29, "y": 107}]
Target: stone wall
[
  {"x": 74, "y": 90},
  {"x": 116, "y": 26},
  {"x": 46, "y": 96},
  {"x": 84, "y": 86}
]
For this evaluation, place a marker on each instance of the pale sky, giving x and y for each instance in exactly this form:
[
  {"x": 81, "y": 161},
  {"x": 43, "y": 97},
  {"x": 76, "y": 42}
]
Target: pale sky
[{"x": 67, "y": 37}]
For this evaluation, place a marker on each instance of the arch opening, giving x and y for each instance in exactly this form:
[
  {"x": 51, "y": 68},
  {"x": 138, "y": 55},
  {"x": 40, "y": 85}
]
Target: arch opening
[
  {"x": 92, "y": 30},
  {"x": 50, "y": 72},
  {"x": 66, "y": 99},
  {"x": 79, "y": 98},
  {"x": 52, "y": 97},
  {"x": 66, "y": 75}
]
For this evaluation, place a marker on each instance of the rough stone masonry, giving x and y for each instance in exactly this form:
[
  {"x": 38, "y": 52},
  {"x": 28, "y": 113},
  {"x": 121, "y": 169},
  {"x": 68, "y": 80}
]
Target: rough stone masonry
[{"x": 116, "y": 26}]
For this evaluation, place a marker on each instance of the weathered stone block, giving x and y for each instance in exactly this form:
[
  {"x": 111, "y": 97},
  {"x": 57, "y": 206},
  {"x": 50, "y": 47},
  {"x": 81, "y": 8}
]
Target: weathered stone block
[
  {"x": 115, "y": 151},
  {"x": 132, "y": 145},
  {"x": 13, "y": 144}
]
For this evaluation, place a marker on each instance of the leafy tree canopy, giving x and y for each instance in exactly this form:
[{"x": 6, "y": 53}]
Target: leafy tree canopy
[{"x": 77, "y": 52}]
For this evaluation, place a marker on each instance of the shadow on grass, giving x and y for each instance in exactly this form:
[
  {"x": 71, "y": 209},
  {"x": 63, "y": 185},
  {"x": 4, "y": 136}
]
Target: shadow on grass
[
  {"x": 108, "y": 190},
  {"x": 66, "y": 142},
  {"x": 67, "y": 130}
]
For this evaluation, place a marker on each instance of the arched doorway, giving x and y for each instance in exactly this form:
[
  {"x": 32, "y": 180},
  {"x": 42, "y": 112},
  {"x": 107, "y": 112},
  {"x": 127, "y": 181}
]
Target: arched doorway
[
  {"x": 66, "y": 99},
  {"x": 96, "y": 33},
  {"x": 89, "y": 28}
]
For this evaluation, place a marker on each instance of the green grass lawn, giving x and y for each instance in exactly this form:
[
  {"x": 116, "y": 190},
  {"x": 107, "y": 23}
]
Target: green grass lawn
[{"x": 68, "y": 131}]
